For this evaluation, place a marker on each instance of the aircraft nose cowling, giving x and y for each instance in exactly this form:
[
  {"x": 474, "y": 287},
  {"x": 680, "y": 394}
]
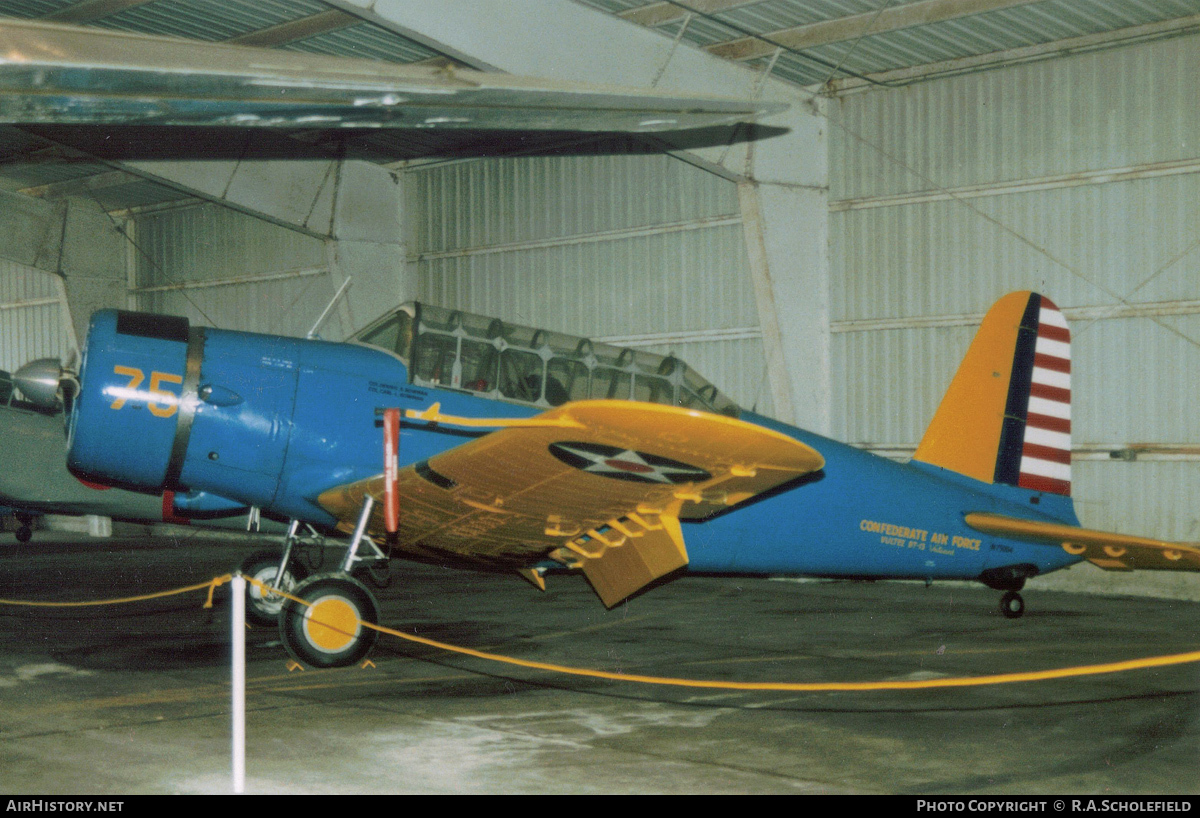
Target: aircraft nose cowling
[
  {"x": 163, "y": 404},
  {"x": 126, "y": 414},
  {"x": 244, "y": 398}
]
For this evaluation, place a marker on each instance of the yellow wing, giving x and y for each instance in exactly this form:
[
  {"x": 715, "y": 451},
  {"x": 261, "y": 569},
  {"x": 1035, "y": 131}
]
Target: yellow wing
[
  {"x": 596, "y": 485},
  {"x": 1112, "y": 552}
]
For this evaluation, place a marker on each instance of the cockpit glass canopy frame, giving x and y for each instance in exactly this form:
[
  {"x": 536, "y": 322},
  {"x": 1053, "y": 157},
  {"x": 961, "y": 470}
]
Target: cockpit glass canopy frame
[{"x": 452, "y": 349}]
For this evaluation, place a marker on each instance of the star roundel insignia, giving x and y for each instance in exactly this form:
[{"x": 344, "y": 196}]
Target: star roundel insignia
[{"x": 626, "y": 464}]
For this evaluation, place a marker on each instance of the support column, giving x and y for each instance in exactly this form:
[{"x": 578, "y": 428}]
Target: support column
[
  {"x": 790, "y": 269},
  {"x": 785, "y": 217}
]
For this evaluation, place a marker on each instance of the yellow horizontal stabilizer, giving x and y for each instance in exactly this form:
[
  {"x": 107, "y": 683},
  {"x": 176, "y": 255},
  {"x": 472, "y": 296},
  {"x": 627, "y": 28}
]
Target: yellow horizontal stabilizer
[
  {"x": 596, "y": 480},
  {"x": 1112, "y": 552}
]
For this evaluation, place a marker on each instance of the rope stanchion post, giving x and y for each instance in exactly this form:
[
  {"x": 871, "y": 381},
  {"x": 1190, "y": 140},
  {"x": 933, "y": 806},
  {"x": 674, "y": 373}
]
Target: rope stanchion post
[{"x": 237, "y": 629}]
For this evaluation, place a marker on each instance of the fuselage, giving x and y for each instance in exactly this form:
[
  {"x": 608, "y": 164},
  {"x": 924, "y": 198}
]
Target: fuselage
[
  {"x": 34, "y": 477},
  {"x": 273, "y": 422}
]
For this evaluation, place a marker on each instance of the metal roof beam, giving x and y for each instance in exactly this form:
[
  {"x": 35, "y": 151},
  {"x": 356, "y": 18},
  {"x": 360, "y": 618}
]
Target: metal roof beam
[
  {"x": 659, "y": 14},
  {"x": 842, "y": 29},
  {"x": 572, "y": 43},
  {"x": 556, "y": 39},
  {"x": 83, "y": 186},
  {"x": 293, "y": 30}
]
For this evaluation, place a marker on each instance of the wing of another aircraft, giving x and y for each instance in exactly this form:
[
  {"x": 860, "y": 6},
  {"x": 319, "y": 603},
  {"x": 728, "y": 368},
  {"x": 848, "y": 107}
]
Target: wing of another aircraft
[
  {"x": 1112, "y": 552},
  {"x": 598, "y": 485},
  {"x": 58, "y": 74}
]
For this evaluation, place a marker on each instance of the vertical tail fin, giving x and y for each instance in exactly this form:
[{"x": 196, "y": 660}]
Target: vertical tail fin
[{"x": 1006, "y": 417}]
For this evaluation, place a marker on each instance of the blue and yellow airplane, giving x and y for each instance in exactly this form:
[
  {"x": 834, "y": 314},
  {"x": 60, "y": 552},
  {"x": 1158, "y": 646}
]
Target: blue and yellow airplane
[
  {"x": 34, "y": 479},
  {"x": 458, "y": 438}
]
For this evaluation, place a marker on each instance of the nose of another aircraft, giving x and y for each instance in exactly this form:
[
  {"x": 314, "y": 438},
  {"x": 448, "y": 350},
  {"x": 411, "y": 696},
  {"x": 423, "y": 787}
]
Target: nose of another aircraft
[{"x": 39, "y": 382}]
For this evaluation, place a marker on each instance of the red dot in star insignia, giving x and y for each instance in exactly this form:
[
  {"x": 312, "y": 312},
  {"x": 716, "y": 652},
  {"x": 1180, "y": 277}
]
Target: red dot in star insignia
[{"x": 625, "y": 465}]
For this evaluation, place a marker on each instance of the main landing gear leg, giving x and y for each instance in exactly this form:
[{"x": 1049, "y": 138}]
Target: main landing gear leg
[
  {"x": 328, "y": 630},
  {"x": 274, "y": 571}
]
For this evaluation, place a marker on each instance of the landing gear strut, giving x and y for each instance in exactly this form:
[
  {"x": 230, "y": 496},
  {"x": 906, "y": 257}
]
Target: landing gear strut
[
  {"x": 330, "y": 628},
  {"x": 279, "y": 572}
]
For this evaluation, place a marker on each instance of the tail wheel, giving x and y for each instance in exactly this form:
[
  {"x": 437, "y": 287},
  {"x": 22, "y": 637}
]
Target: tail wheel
[
  {"x": 25, "y": 532},
  {"x": 328, "y": 631},
  {"x": 263, "y": 607},
  {"x": 1012, "y": 605}
]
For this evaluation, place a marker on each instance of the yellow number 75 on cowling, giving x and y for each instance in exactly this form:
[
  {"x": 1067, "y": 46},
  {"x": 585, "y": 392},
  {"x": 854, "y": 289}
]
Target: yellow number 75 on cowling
[{"x": 164, "y": 407}]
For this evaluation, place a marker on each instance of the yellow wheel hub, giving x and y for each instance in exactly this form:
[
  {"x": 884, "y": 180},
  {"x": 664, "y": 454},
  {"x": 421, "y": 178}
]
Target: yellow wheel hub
[{"x": 331, "y": 624}]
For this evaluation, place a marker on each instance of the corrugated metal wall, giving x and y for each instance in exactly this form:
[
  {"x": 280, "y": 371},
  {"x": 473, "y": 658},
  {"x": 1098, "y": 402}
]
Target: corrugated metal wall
[
  {"x": 613, "y": 247},
  {"x": 33, "y": 317},
  {"x": 225, "y": 269},
  {"x": 1078, "y": 178}
]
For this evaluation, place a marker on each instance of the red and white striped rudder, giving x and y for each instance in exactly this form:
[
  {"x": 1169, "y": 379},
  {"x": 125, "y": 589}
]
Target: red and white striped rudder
[{"x": 1046, "y": 446}]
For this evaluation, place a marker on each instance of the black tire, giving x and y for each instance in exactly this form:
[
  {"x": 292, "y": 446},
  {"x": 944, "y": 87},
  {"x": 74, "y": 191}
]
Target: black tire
[
  {"x": 263, "y": 609},
  {"x": 24, "y": 534},
  {"x": 328, "y": 631},
  {"x": 1012, "y": 605}
]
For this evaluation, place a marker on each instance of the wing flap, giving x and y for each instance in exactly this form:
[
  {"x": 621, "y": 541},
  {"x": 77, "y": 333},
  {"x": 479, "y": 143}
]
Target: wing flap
[
  {"x": 600, "y": 484},
  {"x": 1112, "y": 552},
  {"x": 631, "y": 557}
]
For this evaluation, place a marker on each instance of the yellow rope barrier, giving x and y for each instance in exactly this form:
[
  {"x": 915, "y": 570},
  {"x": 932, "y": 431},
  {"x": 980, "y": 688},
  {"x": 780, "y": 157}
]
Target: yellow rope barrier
[
  {"x": 809, "y": 687},
  {"x": 211, "y": 585},
  {"x": 969, "y": 681}
]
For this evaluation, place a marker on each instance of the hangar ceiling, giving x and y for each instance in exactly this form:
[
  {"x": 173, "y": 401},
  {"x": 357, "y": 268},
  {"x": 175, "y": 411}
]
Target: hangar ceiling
[
  {"x": 838, "y": 45},
  {"x": 831, "y": 46}
]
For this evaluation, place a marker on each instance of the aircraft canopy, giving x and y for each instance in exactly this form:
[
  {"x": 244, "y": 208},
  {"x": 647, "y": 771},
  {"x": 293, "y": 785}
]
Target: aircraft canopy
[{"x": 451, "y": 349}]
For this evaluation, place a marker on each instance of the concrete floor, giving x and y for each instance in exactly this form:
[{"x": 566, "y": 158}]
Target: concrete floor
[{"x": 135, "y": 699}]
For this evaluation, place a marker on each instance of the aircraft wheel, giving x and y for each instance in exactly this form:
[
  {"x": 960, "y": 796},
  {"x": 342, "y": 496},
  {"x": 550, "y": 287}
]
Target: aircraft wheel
[
  {"x": 262, "y": 608},
  {"x": 24, "y": 534},
  {"x": 1012, "y": 605},
  {"x": 328, "y": 631}
]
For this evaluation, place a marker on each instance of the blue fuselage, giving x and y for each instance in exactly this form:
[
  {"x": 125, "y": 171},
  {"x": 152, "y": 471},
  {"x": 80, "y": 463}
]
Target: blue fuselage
[{"x": 273, "y": 422}]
